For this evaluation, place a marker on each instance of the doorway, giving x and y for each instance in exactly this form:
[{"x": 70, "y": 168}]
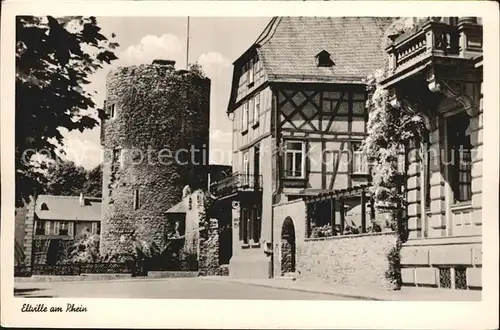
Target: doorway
[{"x": 287, "y": 246}]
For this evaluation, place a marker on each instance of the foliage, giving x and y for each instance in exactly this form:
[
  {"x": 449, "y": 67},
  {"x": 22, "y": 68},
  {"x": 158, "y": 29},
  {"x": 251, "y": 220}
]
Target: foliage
[
  {"x": 321, "y": 231},
  {"x": 390, "y": 132},
  {"x": 55, "y": 57},
  {"x": 85, "y": 249},
  {"x": 393, "y": 273},
  {"x": 93, "y": 182},
  {"x": 151, "y": 107},
  {"x": 67, "y": 179}
]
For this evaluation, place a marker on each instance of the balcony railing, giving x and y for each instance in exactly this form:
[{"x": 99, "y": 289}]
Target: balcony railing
[
  {"x": 236, "y": 182},
  {"x": 431, "y": 39}
]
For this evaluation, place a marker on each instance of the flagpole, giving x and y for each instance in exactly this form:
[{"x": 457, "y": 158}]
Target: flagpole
[{"x": 187, "y": 44}]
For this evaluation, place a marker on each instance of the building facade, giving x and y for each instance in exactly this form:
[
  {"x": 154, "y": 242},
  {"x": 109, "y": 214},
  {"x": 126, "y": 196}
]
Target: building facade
[
  {"x": 436, "y": 71},
  {"x": 299, "y": 194},
  {"x": 49, "y": 224},
  {"x": 297, "y": 102}
]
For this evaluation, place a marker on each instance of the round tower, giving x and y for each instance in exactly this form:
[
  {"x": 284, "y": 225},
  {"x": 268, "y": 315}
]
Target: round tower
[{"x": 155, "y": 138}]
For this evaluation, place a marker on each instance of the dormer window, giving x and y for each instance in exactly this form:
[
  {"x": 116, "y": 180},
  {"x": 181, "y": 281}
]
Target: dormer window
[
  {"x": 44, "y": 207},
  {"x": 323, "y": 59}
]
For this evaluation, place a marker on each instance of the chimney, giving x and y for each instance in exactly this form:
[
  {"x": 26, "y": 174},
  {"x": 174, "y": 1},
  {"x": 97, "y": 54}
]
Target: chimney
[
  {"x": 164, "y": 62},
  {"x": 81, "y": 200}
]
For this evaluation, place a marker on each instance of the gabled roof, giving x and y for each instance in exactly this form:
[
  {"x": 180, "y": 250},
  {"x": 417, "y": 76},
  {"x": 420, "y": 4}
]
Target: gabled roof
[
  {"x": 288, "y": 48},
  {"x": 177, "y": 208},
  {"x": 68, "y": 208}
]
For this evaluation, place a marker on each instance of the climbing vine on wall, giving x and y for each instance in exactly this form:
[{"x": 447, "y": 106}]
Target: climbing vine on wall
[
  {"x": 390, "y": 132},
  {"x": 160, "y": 113}
]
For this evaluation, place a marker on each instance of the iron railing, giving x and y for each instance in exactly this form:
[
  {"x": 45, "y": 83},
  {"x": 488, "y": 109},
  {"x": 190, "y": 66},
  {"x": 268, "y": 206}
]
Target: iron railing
[
  {"x": 237, "y": 182},
  {"x": 74, "y": 269}
]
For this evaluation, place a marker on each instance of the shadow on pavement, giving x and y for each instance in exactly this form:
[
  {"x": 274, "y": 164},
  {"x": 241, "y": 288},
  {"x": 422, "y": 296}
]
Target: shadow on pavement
[{"x": 30, "y": 293}]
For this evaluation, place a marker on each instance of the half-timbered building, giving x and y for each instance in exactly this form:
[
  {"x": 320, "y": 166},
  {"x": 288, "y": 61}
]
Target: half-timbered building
[{"x": 298, "y": 107}]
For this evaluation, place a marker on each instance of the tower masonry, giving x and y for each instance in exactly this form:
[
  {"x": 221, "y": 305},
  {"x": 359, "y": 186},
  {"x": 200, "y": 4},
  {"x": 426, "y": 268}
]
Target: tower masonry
[{"x": 155, "y": 137}]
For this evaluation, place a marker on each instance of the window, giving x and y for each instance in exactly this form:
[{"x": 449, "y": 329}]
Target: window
[
  {"x": 459, "y": 146},
  {"x": 427, "y": 175},
  {"x": 359, "y": 159},
  {"x": 323, "y": 59},
  {"x": 294, "y": 159},
  {"x": 71, "y": 228},
  {"x": 136, "y": 199},
  {"x": 47, "y": 227},
  {"x": 40, "y": 230},
  {"x": 112, "y": 111},
  {"x": 256, "y": 109},
  {"x": 246, "y": 168},
  {"x": 251, "y": 112},
  {"x": 96, "y": 228},
  {"x": 244, "y": 118},
  {"x": 63, "y": 229},
  {"x": 118, "y": 157},
  {"x": 55, "y": 228},
  {"x": 256, "y": 66},
  {"x": 250, "y": 73}
]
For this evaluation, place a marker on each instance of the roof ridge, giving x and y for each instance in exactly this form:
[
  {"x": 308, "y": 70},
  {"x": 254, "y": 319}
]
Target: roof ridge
[{"x": 271, "y": 30}]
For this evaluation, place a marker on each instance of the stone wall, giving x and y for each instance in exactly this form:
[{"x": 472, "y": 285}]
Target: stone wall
[
  {"x": 357, "y": 260},
  {"x": 159, "y": 111}
]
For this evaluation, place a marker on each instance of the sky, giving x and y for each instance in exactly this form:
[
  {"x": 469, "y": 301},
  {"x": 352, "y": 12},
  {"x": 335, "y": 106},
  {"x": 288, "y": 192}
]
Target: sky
[{"x": 215, "y": 43}]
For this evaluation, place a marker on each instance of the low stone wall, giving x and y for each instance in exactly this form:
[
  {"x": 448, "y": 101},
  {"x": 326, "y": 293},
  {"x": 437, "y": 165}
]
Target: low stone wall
[
  {"x": 358, "y": 260},
  {"x": 161, "y": 274}
]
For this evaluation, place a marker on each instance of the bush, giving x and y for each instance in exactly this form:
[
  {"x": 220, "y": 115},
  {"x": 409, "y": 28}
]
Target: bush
[{"x": 85, "y": 249}]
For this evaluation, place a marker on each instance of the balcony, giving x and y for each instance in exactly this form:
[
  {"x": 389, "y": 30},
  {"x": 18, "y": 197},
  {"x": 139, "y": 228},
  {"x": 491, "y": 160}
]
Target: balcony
[
  {"x": 236, "y": 183},
  {"x": 436, "y": 45}
]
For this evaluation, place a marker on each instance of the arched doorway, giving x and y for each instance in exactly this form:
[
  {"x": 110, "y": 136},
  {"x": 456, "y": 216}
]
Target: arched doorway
[{"x": 287, "y": 246}]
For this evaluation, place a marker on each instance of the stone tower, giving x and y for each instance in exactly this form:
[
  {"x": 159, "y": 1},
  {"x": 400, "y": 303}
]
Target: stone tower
[{"x": 155, "y": 138}]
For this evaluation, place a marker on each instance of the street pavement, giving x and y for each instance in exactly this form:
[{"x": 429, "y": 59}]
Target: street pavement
[{"x": 172, "y": 288}]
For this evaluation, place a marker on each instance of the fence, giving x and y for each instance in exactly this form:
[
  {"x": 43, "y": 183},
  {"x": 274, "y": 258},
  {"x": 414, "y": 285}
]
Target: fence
[
  {"x": 189, "y": 264},
  {"x": 75, "y": 269}
]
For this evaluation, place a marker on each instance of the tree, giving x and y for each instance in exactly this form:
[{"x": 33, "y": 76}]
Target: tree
[
  {"x": 93, "y": 182},
  {"x": 68, "y": 179},
  {"x": 65, "y": 179},
  {"x": 55, "y": 57}
]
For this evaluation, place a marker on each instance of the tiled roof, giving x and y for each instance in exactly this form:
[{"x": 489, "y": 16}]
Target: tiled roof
[
  {"x": 288, "y": 47},
  {"x": 68, "y": 208},
  {"x": 177, "y": 208}
]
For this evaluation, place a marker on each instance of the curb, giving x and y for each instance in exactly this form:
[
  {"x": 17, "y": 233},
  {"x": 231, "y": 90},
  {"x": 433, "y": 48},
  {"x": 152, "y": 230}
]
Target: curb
[{"x": 344, "y": 295}]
